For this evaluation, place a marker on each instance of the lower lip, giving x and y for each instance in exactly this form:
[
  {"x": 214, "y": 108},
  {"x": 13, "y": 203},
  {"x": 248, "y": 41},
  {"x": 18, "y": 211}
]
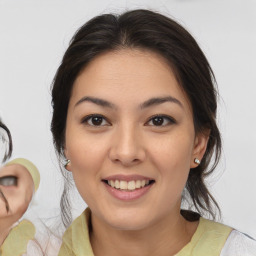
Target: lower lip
[{"x": 126, "y": 195}]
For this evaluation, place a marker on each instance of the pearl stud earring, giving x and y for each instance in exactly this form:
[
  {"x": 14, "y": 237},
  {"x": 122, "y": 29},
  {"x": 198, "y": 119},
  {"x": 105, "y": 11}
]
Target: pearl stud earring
[
  {"x": 197, "y": 161},
  {"x": 67, "y": 163}
]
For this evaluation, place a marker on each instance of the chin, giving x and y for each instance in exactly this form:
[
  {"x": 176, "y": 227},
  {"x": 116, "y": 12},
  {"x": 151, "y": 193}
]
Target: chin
[
  {"x": 129, "y": 225},
  {"x": 132, "y": 221}
]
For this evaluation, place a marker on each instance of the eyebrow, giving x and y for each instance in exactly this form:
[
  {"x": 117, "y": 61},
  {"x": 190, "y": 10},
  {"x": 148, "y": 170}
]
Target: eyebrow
[
  {"x": 160, "y": 100},
  {"x": 97, "y": 101},
  {"x": 146, "y": 104}
]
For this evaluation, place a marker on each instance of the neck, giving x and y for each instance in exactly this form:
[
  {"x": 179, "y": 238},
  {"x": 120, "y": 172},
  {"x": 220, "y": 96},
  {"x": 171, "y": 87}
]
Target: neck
[{"x": 166, "y": 237}]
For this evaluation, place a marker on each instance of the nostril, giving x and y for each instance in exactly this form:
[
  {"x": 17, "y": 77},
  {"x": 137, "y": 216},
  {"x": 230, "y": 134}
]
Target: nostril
[{"x": 127, "y": 153}]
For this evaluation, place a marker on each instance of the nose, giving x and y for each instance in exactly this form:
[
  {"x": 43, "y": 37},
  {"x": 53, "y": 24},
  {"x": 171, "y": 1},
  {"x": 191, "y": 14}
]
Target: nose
[{"x": 127, "y": 147}]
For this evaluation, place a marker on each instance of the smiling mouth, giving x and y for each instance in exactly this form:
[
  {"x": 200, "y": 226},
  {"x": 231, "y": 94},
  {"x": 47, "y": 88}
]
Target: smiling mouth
[{"x": 132, "y": 185}]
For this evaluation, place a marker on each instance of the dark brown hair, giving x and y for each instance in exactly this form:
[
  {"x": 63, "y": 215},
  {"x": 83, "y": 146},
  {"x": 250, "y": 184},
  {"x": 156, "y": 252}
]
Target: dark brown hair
[
  {"x": 147, "y": 30},
  {"x": 6, "y": 138}
]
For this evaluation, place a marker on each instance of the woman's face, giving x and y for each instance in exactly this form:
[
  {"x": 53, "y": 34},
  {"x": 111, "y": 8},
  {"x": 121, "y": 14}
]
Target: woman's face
[
  {"x": 131, "y": 139},
  {"x": 18, "y": 195}
]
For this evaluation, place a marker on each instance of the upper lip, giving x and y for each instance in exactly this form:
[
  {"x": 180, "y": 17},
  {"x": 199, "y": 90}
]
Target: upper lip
[{"x": 127, "y": 177}]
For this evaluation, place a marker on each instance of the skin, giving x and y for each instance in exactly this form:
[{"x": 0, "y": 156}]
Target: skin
[
  {"x": 127, "y": 142},
  {"x": 18, "y": 197}
]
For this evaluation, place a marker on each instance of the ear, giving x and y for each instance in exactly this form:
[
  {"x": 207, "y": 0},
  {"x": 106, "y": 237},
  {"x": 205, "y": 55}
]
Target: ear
[
  {"x": 67, "y": 165},
  {"x": 200, "y": 146}
]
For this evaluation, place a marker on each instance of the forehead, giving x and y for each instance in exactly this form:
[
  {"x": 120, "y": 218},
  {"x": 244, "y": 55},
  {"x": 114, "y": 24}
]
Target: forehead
[{"x": 131, "y": 73}]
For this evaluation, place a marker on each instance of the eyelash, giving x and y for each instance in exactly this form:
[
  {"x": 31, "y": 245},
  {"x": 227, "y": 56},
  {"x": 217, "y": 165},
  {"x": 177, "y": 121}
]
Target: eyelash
[
  {"x": 168, "y": 119},
  {"x": 88, "y": 118}
]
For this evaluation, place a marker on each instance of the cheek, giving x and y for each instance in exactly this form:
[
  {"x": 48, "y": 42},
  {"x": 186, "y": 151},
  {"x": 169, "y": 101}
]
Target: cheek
[
  {"x": 172, "y": 157},
  {"x": 86, "y": 154},
  {"x": 83, "y": 148},
  {"x": 173, "y": 151}
]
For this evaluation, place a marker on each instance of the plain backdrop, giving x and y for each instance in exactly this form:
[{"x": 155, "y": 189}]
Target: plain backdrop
[{"x": 33, "y": 37}]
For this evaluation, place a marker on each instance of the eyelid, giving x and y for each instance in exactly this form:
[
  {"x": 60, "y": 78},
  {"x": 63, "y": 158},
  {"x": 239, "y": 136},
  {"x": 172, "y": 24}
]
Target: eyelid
[
  {"x": 170, "y": 119},
  {"x": 88, "y": 117}
]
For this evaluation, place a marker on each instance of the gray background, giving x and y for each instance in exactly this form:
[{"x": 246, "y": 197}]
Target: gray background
[{"x": 33, "y": 37}]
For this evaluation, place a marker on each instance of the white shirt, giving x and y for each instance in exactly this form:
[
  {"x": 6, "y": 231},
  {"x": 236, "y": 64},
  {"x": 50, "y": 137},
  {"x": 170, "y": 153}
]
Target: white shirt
[{"x": 239, "y": 244}]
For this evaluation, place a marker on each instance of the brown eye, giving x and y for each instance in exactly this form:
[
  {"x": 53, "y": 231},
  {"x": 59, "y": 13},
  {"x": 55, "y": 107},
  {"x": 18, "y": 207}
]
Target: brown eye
[
  {"x": 95, "y": 120},
  {"x": 158, "y": 120},
  {"x": 8, "y": 181},
  {"x": 161, "y": 120}
]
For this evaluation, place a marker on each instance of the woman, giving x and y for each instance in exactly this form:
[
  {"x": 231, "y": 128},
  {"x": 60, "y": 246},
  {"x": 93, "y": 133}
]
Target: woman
[{"x": 134, "y": 114}]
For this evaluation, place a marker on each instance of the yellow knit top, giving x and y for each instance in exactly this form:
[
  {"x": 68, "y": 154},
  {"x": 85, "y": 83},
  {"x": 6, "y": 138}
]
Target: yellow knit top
[
  {"x": 208, "y": 239},
  {"x": 17, "y": 240}
]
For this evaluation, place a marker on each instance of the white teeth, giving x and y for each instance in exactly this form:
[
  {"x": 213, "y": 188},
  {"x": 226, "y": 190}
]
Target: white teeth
[
  {"x": 112, "y": 183},
  {"x": 117, "y": 185},
  {"x": 130, "y": 185},
  {"x": 123, "y": 184},
  {"x": 138, "y": 184}
]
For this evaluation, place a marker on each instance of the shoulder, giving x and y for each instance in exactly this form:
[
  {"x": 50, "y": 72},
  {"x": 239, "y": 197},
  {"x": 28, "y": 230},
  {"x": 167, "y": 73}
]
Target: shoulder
[
  {"x": 239, "y": 244},
  {"x": 75, "y": 240},
  {"x": 214, "y": 230},
  {"x": 80, "y": 224}
]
